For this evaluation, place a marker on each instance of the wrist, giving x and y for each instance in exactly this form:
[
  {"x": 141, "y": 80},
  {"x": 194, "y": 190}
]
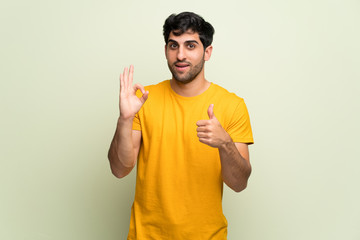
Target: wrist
[
  {"x": 123, "y": 119},
  {"x": 127, "y": 116},
  {"x": 226, "y": 143}
]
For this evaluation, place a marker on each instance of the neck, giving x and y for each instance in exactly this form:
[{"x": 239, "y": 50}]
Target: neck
[{"x": 191, "y": 89}]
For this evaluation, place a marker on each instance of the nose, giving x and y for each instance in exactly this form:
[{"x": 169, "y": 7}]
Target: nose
[{"x": 181, "y": 54}]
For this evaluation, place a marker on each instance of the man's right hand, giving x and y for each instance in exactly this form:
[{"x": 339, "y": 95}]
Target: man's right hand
[{"x": 130, "y": 104}]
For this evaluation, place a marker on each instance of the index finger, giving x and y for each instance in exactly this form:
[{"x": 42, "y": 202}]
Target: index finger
[
  {"x": 202, "y": 123},
  {"x": 131, "y": 73}
]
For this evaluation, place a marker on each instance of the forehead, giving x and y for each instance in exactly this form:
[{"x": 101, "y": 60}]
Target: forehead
[{"x": 186, "y": 36}]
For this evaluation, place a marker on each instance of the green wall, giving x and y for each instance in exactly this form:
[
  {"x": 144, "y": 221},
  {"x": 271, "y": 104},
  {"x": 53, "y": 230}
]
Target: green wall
[{"x": 296, "y": 64}]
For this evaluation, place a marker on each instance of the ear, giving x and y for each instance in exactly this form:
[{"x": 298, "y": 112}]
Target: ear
[
  {"x": 208, "y": 52},
  {"x": 165, "y": 51}
]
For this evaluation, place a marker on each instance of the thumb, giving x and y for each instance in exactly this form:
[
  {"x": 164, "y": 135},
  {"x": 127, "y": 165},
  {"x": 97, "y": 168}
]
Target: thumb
[{"x": 211, "y": 111}]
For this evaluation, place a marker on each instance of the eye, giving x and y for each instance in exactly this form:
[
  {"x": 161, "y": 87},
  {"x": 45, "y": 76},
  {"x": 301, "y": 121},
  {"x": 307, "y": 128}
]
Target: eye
[
  {"x": 173, "y": 45},
  {"x": 191, "y": 46}
]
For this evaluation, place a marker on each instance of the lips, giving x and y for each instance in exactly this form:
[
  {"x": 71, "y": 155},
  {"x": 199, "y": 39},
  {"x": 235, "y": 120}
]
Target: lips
[{"x": 181, "y": 66}]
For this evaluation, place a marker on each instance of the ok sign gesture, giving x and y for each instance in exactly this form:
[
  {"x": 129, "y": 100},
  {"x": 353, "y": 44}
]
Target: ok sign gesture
[{"x": 130, "y": 104}]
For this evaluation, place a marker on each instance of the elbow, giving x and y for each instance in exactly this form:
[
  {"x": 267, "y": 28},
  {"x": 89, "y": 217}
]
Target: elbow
[
  {"x": 117, "y": 173},
  {"x": 120, "y": 173},
  {"x": 242, "y": 183},
  {"x": 240, "y": 187},
  {"x": 237, "y": 187},
  {"x": 117, "y": 169}
]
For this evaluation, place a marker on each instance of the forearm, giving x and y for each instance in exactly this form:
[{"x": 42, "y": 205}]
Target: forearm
[
  {"x": 121, "y": 154},
  {"x": 235, "y": 168}
]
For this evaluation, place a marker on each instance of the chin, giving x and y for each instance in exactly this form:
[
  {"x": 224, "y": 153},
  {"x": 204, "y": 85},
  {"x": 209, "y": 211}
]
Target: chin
[{"x": 182, "y": 80}]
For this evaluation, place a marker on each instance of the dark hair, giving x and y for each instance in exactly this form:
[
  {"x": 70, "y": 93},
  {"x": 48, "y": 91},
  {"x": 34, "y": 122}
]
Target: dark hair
[{"x": 178, "y": 24}]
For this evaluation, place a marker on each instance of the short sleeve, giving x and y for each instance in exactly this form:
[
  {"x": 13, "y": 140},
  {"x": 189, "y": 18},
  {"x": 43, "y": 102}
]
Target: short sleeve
[
  {"x": 136, "y": 123},
  {"x": 239, "y": 127}
]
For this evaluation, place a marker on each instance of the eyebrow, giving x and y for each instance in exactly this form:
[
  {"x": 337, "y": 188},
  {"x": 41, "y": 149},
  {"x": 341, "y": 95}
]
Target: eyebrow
[{"x": 188, "y": 41}]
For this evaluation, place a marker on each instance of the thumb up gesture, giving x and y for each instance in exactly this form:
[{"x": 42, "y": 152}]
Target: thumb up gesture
[{"x": 210, "y": 132}]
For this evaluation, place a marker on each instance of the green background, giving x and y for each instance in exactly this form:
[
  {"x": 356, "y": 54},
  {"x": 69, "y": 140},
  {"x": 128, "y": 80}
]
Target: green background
[{"x": 296, "y": 64}]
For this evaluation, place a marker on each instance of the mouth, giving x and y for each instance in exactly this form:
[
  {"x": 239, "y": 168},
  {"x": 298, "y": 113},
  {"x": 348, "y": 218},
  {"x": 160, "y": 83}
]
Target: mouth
[{"x": 181, "y": 66}]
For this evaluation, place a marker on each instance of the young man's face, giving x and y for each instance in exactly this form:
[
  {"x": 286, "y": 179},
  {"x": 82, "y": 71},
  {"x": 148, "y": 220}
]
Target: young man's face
[{"x": 185, "y": 55}]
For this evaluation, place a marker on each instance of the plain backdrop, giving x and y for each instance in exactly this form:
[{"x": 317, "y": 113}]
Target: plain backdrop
[{"x": 296, "y": 64}]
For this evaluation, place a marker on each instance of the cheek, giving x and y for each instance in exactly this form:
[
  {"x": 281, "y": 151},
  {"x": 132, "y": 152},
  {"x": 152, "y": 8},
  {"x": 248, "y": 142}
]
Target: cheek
[
  {"x": 170, "y": 55},
  {"x": 198, "y": 57}
]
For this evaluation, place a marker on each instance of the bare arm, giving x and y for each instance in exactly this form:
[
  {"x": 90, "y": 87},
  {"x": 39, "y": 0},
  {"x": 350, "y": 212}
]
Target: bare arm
[
  {"x": 123, "y": 153},
  {"x": 125, "y": 145},
  {"x": 235, "y": 163}
]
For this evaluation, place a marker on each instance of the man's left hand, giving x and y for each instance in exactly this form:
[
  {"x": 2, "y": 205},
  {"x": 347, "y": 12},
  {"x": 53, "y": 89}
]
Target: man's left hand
[{"x": 211, "y": 132}]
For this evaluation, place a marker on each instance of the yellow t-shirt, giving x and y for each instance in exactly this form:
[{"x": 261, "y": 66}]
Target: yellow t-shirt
[{"x": 179, "y": 185}]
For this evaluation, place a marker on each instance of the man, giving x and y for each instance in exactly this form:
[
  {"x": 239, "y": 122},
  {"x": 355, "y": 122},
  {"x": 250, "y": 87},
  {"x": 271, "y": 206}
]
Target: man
[{"x": 187, "y": 135}]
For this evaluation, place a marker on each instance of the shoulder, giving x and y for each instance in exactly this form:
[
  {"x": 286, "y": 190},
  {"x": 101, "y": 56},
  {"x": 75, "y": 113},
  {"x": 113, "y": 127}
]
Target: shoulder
[
  {"x": 229, "y": 107},
  {"x": 226, "y": 96},
  {"x": 155, "y": 89},
  {"x": 161, "y": 86}
]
